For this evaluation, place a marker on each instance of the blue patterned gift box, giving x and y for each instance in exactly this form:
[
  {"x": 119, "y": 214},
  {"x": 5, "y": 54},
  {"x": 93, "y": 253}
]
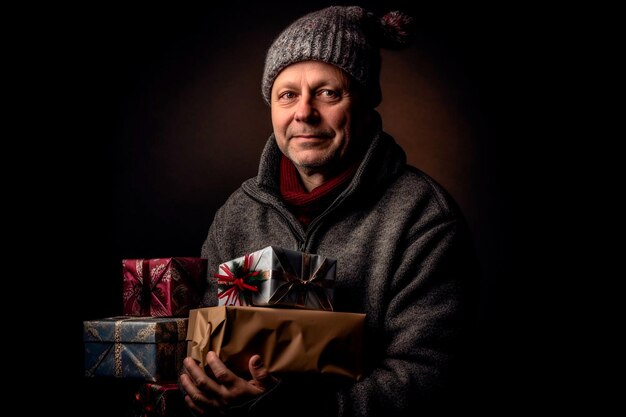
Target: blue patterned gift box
[{"x": 145, "y": 348}]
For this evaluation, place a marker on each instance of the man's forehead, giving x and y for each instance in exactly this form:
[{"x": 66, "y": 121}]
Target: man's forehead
[{"x": 313, "y": 72}]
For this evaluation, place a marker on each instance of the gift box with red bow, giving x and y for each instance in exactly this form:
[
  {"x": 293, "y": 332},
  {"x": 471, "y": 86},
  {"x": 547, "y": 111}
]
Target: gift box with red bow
[{"x": 275, "y": 276}]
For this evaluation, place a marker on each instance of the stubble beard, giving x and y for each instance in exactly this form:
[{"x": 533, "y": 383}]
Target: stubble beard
[{"x": 326, "y": 163}]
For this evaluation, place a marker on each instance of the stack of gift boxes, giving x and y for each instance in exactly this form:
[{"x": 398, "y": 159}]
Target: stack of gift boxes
[
  {"x": 274, "y": 302},
  {"x": 147, "y": 343}
]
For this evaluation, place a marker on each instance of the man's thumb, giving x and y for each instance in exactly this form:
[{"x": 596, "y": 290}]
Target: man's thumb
[{"x": 258, "y": 371}]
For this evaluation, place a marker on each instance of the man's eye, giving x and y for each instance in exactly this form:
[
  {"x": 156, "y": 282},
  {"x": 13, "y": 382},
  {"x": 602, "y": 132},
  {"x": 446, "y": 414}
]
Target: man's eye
[
  {"x": 287, "y": 95},
  {"x": 329, "y": 94}
]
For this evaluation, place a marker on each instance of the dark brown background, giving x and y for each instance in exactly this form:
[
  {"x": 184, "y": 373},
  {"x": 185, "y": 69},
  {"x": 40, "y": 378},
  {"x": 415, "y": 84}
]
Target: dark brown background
[{"x": 164, "y": 119}]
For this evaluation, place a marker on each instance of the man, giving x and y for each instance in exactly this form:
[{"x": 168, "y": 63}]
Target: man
[{"x": 331, "y": 182}]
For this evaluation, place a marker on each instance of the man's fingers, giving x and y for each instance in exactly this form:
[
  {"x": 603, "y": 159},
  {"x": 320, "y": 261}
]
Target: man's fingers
[
  {"x": 186, "y": 383},
  {"x": 193, "y": 406},
  {"x": 225, "y": 388},
  {"x": 257, "y": 369},
  {"x": 199, "y": 377},
  {"x": 261, "y": 378},
  {"x": 196, "y": 396},
  {"x": 222, "y": 374}
]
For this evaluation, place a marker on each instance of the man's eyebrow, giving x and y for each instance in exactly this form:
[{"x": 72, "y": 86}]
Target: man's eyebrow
[
  {"x": 288, "y": 84},
  {"x": 318, "y": 84}
]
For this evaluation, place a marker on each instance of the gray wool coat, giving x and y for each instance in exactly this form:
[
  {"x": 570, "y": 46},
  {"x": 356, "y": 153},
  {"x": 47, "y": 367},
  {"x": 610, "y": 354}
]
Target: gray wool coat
[{"x": 404, "y": 258}]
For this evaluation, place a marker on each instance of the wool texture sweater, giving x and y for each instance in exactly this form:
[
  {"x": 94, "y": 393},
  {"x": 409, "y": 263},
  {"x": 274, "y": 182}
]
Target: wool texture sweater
[{"x": 404, "y": 258}]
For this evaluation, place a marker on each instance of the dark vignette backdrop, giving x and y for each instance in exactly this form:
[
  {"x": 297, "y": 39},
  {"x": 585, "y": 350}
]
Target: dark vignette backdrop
[{"x": 166, "y": 116}]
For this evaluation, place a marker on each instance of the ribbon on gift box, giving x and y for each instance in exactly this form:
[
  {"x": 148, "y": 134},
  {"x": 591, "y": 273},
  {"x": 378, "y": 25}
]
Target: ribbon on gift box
[
  {"x": 117, "y": 348},
  {"x": 145, "y": 402},
  {"x": 145, "y": 288},
  {"x": 306, "y": 283},
  {"x": 151, "y": 399},
  {"x": 145, "y": 295},
  {"x": 239, "y": 282}
]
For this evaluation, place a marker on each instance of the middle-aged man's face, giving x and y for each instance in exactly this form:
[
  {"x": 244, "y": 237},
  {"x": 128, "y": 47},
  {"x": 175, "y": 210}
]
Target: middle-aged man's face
[{"x": 313, "y": 111}]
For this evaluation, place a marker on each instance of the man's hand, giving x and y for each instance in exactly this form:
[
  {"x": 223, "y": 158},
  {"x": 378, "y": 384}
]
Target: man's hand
[{"x": 225, "y": 389}]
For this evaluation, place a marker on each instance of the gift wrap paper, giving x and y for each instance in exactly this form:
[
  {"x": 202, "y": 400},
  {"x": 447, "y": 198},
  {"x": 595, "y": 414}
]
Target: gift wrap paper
[
  {"x": 160, "y": 400},
  {"x": 275, "y": 276},
  {"x": 162, "y": 287},
  {"x": 146, "y": 348},
  {"x": 288, "y": 340}
]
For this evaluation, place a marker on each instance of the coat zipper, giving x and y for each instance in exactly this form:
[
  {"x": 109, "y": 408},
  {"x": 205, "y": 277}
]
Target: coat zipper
[{"x": 294, "y": 231}]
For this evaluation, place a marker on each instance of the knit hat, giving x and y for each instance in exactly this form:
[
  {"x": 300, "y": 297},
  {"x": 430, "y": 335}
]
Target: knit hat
[{"x": 347, "y": 37}]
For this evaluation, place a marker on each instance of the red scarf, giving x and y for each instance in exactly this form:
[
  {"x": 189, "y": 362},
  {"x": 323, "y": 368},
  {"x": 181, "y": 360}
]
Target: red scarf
[{"x": 308, "y": 205}]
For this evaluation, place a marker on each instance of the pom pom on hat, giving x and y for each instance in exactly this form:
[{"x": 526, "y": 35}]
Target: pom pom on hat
[
  {"x": 396, "y": 30},
  {"x": 346, "y": 37}
]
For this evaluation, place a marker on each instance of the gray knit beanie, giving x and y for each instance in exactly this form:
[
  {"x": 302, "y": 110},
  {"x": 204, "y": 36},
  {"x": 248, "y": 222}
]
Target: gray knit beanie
[{"x": 347, "y": 37}]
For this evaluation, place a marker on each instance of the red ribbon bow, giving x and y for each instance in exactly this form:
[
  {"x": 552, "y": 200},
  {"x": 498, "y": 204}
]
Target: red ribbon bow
[{"x": 241, "y": 282}]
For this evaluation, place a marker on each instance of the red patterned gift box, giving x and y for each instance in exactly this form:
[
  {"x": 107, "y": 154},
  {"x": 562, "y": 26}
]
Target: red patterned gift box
[
  {"x": 160, "y": 400},
  {"x": 162, "y": 287},
  {"x": 275, "y": 276}
]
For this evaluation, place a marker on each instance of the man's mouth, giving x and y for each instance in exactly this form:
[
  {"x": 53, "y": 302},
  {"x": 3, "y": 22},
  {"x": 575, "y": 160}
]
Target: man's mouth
[{"x": 321, "y": 135}]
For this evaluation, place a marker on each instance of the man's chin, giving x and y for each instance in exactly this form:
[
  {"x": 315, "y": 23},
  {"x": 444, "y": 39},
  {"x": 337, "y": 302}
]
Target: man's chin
[
  {"x": 310, "y": 162},
  {"x": 310, "y": 158}
]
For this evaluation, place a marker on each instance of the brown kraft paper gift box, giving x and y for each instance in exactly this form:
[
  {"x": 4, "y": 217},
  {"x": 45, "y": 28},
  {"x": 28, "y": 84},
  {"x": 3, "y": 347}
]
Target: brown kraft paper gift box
[{"x": 288, "y": 340}]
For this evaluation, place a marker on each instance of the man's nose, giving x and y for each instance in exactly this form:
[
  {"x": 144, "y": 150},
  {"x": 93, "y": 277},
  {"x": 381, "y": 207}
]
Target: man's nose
[{"x": 305, "y": 110}]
